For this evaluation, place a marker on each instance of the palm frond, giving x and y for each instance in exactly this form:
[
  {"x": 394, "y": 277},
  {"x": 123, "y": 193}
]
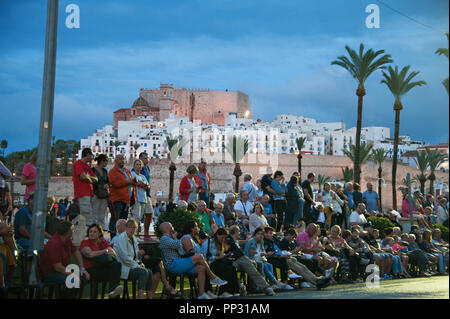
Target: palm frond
[{"x": 237, "y": 147}]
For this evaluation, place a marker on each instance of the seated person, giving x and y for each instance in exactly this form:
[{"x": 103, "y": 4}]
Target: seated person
[
  {"x": 56, "y": 256},
  {"x": 173, "y": 261},
  {"x": 205, "y": 216},
  {"x": 22, "y": 225},
  {"x": 7, "y": 248},
  {"x": 254, "y": 249},
  {"x": 432, "y": 253},
  {"x": 127, "y": 250},
  {"x": 217, "y": 215},
  {"x": 100, "y": 260},
  {"x": 257, "y": 218},
  {"x": 268, "y": 211}
]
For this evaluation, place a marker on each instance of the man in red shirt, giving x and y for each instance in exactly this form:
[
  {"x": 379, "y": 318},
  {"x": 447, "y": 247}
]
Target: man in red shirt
[
  {"x": 83, "y": 178},
  {"x": 56, "y": 256}
]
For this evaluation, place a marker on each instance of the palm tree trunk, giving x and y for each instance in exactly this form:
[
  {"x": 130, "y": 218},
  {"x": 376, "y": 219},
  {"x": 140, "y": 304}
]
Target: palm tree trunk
[
  {"x": 237, "y": 173},
  {"x": 299, "y": 156},
  {"x": 360, "y": 92},
  {"x": 394, "y": 163},
  {"x": 172, "y": 169},
  {"x": 380, "y": 170},
  {"x": 432, "y": 179},
  {"x": 422, "y": 186}
]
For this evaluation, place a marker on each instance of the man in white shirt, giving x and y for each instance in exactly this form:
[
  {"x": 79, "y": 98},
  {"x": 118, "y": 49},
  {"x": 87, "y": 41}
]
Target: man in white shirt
[
  {"x": 120, "y": 228},
  {"x": 357, "y": 218},
  {"x": 243, "y": 207}
]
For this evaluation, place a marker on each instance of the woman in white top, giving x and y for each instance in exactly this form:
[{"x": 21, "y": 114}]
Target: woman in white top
[
  {"x": 142, "y": 185},
  {"x": 327, "y": 196},
  {"x": 257, "y": 219}
]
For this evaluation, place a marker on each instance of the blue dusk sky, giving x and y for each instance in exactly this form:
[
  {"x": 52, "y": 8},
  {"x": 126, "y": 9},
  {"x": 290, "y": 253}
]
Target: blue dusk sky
[{"x": 277, "y": 52}]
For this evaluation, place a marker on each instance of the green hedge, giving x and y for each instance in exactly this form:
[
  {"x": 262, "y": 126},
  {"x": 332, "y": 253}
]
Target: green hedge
[
  {"x": 380, "y": 223},
  {"x": 178, "y": 218},
  {"x": 444, "y": 231}
]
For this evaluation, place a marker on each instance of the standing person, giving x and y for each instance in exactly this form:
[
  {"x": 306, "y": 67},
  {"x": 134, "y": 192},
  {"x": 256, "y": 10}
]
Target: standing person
[
  {"x": 293, "y": 202},
  {"x": 249, "y": 187},
  {"x": 204, "y": 181},
  {"x": 371, "y": 198},
  {"x": 301, "y": 200},
  {"x": 243, "y": 209},
  {"x": 123, "y": 191},
  {"x": 326, "y": 197},
  {"x": 22, "y": 224},
  {"x": 266, "y": 181},
  {"x": 101, "y": 191},
  {"x": 341, "y": 206},
  {"x": 142, "y": 186},
  {"x": 149, "y": 213},
  {"x": 357, "y": 195},
  {"x": 5, "y": 195},
  {"x": 279, "y": 198},
  {"x": 83, "y": 178},
  {"x": 28, "y": 177},
  {"x": 188, "y": 185},
  {"x": 309, "y": 197}
]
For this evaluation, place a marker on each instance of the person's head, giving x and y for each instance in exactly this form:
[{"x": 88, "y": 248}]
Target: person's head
[
  {"x": 311, "y": 229},
  {"x": 182, "y": 204},
  {"x": 443, "y": 201},
  {"x": 50, "y": 202},
  {"x": 415, "y": 229},
  {"x": 229, "y": 199},
  {"x": 220, "y": 235},
  {"x": 335, "y": 230},
  {"x": 137, "y": 166},
  {"x": 166, "y": 228},
  {"x": 243, "y": 195},
  {"x": 213, "y": 230},
  {"x": 426, "y": 235},
  {"x": 356, "y": 187},
  {"x": 258, "y": 183},
  {"x": 258, "y": 234},
  {"x": 294, "y": 180},
  {"x": 349, "y": 186},
  {"x": 368, "y": 227},
  {"x": 219, "y": 208},
  {"x": 65, "y": 231},
  {"x": 144, "y": 158},
  {"x": 265, "y": 200},
  {"x": 202, "y": 206},
  {"x": 191, "y": 228},
  {"x": 369, "y": 187},
  {"x": 327, "y": 187},
  {"x": 355, "y": 232},
  {"x": 396, "y": 231},
  {"x": 120, "y": 160},
  {"x": 235, "y": 232},
  {"x": 94, "y": 232},
  {"x": 192, "y": 206},
  {"x": 388, "y": 241},
  {"x": 311, "y": 177},
  {"x": 412, "y": 238},
  {"x": 430, "y": 198},
  {"x": 297, "y": 174},
  {"x": 86, "y": 155},
  {"x": 131, "y": 227},
  {"x": 259, "y": 209},
  {"x": 247, "y": 177},
  {"x": 346, "y": 234},
  {"x": 361, "y": 209},
  {"x": 278, "y": 175},
  {"x": 192, "y": 170},
  {"x": 376, "y": 233},
  {"x": 404, "y": 237},
  {"x": 102, "y": 160},
  {"x": 388, "y": 231},
  {"x": 338, "y": 187},
  {"x": 268, "y": 233},
  {"x": 290, "y": 234},
  {"x": 120, "y": 226},
  {"x": 436, "y": 233},
  {"x": 202, "y": 165}
]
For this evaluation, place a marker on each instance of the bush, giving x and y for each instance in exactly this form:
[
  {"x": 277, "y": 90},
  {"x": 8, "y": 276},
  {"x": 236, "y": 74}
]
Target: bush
[
  {"x": 178, "y": 217},
  {"x": 444, "y": 231},
  {"x": 380, "y": 223}
]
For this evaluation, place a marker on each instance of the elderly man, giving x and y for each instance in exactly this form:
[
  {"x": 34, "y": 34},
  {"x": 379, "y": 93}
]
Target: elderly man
[
  {"x": 371, "y": 198},
  {"x": 122, "y": 190},
  {"x": 243, "y": 209},
  {"x": 218, "y": 216},
  {"x": 120, "y": 228},
  {"x": 205, "y": 216},
  {"x": 357, "y": 218},
  {"x": 228, "y": 210},
  {"x": 249, "y": 187},
  {"x": 196, "y": 264}
]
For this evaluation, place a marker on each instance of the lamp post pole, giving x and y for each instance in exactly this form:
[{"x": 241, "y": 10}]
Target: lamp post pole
[
  {"x": 45, "y": 136},
  {"x": 411, "y": 215}
]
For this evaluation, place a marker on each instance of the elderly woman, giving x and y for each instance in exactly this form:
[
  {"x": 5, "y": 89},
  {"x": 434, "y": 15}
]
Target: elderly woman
[
  {"x": 100, "y": 260},
  {"x": 257, "y": 219},
  {"x": 188, "y": 185},
  {"x": 228, "y": 210},
  {"x": 142, "y": 185},
  {"x": 127, "y": 251},
  {"x": 217, "y": 215}
]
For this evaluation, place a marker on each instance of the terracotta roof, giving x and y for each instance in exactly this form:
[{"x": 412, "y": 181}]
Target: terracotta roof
[{"x": 140, "y": 101}]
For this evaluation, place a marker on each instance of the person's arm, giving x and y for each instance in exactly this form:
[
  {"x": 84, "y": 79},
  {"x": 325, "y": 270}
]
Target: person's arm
[
  {"x": 118, "y": 180},
  {"x": 24, "y": 232},
  {"x": 187, "y": 244},
  {"x": 79, "y": 259},
  {"x": 308, "y": 196},
  {"x": 89, "y": 253},
  {"x": 25, "y": 181}
]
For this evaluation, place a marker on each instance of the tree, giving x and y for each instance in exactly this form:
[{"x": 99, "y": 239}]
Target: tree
[
  {"x": 422, "y": 164},
  {"x": 347, "y": 174},
  {"x": 379, "y": 155},
  {"x": 175, "y": 145},
  {"x": 116, "y": 145},
  {"x": 399, "y": 83},
  {"x": 321, "y": 180},
  {"x": 4, "y": 146},
  {"x": 444, "y": 51},
  {"x": 435, "y": 159},
  {"x": 237, "y": 147},
  {"x": 300, "y": 144},
  {"x": 361, "y": 66},
  {"x": 364, "y": 153}
]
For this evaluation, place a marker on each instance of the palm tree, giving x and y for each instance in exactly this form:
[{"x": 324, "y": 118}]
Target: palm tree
[
  {"x": 361, "y": 66},
  {"x": 4, "y": 146},
  {"x": 175, "y": 145},
  {"x": 422, "y": 164},
  {"x": 399, "y": 83},
  {"x": 364, "y": 153},
  {"x": 435, "y": 158},
  {"x": 300, "y": 144},
  {"x": 321, "y": 180},
  {"x": 347, "y": 174},
  {"x": 444, "y": 51},
  {"x": 237, "y": 147},
  {"x": 116, "y": 145},
  {"x": 379, "y": 155}
]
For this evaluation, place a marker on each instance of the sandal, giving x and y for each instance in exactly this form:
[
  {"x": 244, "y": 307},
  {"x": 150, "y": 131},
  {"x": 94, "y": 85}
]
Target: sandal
[{"x": 172, "y": 292}]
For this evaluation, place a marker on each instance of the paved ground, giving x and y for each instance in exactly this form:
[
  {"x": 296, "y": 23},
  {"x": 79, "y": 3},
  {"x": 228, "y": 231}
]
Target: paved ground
[{"x": 414, "y": 288}]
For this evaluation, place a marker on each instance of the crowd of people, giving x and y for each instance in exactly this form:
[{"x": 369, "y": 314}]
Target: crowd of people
[{"x": 271, "y": 226}]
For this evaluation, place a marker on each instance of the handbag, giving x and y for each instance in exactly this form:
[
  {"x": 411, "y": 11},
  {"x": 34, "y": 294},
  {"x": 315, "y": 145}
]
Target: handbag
[{"x": 103, "y": 260}]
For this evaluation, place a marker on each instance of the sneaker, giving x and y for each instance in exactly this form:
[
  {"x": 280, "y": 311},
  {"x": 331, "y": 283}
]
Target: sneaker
[
  {"x": 269, "y": 291},
  {"x": 306, "y": 284},
  {"x": 287, "y": 287},
  {"x": 294, "y": 276},
  {"x": 116, "y": 292},
  {"x": 323, "y": 282},
  {"x": 226, "y": 295},
  {"x": 219, "y": 282},
  {"x": 277, "y": 286},
  {"x": 211, "y": 295},
  {"x": 328, "y": 272},
  {"x": 204, "y": 296},
  {"x": 237, "y": 295}
]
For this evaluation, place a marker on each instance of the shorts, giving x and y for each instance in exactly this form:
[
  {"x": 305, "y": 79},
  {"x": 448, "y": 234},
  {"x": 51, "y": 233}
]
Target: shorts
[
  {"x": 148, "y": 210},
  {"x": 182, "y": 266}
]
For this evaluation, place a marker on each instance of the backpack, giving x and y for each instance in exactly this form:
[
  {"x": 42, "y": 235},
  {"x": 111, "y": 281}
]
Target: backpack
[{"x": 73, "y": 210}]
